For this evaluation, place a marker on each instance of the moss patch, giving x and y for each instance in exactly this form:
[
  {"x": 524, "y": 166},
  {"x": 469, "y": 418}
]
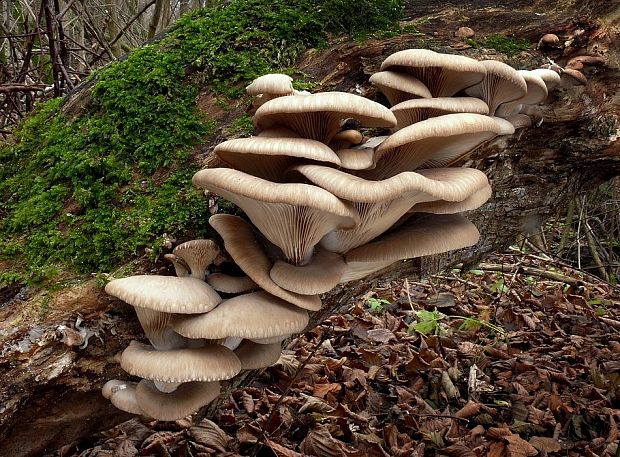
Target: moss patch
[{"x": 88, "y": 194}]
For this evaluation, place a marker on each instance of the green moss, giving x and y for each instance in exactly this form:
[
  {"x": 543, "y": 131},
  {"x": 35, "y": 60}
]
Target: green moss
[
  {"x": 509, "y": 46},
  {"x": 87, "y": 194}
]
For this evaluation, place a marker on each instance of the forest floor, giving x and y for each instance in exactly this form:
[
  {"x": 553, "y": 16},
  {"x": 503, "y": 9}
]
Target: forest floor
[{"x": 519, "y": 363}]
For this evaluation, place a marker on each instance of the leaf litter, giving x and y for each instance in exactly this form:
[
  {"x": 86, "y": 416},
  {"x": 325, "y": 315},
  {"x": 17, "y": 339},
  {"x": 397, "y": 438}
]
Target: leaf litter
[{"x": 483, "y": 363}]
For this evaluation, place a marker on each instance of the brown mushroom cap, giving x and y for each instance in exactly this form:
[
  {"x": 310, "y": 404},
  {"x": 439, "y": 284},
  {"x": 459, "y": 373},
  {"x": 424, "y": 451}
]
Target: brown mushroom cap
[
  {"x": 573, "y": 78},
  {"x": 168, "y": 294},
  {"x": 418, "y": 237},
  {"x": 255, "y": 315},
  {"x": 435, "y": 142},
  {"x": 398, "y": 87},
  {"x": 502, "y": 84},
  {"x": 548, "y": 40},
  {"x": 231, "y": 284},
  {"x": 272, "y": 84},
  {"x": 198, "y": 255},
  {"x": 319, "y": 275},
  {"x": 254, "y": 356},
  {"x": 443, "y": 74},
  {"x": 122, "y": 394},
  {"x": 412, "y": 111},
  {"x": 188, "y": 398},
  {"x": 267, "y": 158},
  {"x": 241, "y": 244},
  {"x": 520, "y": 121},
  {"x": 209, "y": 363},
  {"x": 319, "y": 116},
  {"x": 292, "y": 216},
  {"x": 345, "y": 139}
]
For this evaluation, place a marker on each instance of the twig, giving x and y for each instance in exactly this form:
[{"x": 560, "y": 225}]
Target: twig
[{"x": 554, "y": 276}]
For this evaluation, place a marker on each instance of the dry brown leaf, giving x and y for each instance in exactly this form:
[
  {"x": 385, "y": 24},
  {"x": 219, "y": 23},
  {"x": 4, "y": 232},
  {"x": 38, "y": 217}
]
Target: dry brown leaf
[
  {"x": 320, "y": 390},
  {"x": 380, "y": 335},
  {"x": 248, "y": 434},
  {"x": 281, "y": 451},
  {"x": 518, "y": 447},
  {"x": 320, "y": 443},
  {"x": 471, "y": 408},
  {"x": 314, "y": 405},
  {"x": 458, "y": 450},
  {"x": 497, "y": 449},
  {"x": 210, "y": 435},
  {"x": 543, "y": 443},
  {"x": 448, "y": 386}
]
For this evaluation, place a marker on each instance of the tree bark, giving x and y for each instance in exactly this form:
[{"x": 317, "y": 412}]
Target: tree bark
[{"x": 50, "y": 385}]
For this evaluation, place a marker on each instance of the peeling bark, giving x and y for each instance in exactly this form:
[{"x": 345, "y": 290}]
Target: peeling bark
[{"x": 56, "y": 384}]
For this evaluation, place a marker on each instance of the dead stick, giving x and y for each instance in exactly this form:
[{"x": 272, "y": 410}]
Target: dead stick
[{"x": 531, "y": 271}]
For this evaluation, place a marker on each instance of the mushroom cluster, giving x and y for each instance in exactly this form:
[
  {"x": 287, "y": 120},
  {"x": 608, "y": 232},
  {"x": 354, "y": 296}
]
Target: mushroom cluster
[{"x": 327, "y": 203}]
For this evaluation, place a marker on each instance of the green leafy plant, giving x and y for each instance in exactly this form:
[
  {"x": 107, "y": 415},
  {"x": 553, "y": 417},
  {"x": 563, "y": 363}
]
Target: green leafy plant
[{"x": 376, "y": 305}]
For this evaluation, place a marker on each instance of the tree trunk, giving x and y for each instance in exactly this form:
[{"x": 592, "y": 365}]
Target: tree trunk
[{"x": 50, "y": 386}]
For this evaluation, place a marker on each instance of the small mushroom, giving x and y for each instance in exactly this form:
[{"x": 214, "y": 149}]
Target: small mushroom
[
  {"x": 254, "y": 356},
  {"x": 549, "y": 40},
  {"x": 197, "y": 255},
  {"x": 464, "y": 32},
  {"x": 398, "y": 87},
  {"x": 502, "y": 84},
  {"x": 185, "y": 400},
  {"x": 122, "y": 394}
]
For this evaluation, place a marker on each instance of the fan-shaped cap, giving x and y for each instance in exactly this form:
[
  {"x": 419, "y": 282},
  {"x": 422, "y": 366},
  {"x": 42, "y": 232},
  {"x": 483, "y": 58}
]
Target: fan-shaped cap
[
  {"x": 417, "y": 237},
  {"x": 520, "y": 121},
  {"x": 360, "y": 157},
  {"x": 551, "y": 78},
  {"x": 573, "y": 78},
  {"x": 168, "y": 294},
  {"x": 398, "y": 87},
  {"x": 209, "y": 363},
  {"x": 319, "y": 116},
  {"x": 501, "y": 84},
  {"x": 536, "y": 93},
  {"x": 267, "y": 158},
  {"x": 272, "y": 84},
  {"x": 383, "y": 203},
  {"x": 411, "y": 111},
  {"x": 243, "y": 247},
  {"x": 292, "y": 216},
  {"x": 319, "y": 275},
  {"x": 188, "y": 398},
  {"x": 122, "y": 394},
  {"x": 476, "y": 200},
  {"x": 231, "y": 284},
  {"x": 254, "y": 356},
  {"x": 198, "y": 255},
  {"x": 443, "y": 74},
  {"x": 156, "y": 326},
  {"x": 435, "y": 142},
  {"x": 255, "y": 315}
]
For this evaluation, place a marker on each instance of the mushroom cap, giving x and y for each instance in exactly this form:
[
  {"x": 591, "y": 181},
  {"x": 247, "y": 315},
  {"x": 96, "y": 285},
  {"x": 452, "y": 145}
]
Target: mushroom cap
[
  {"x": 254, "y": 356},
  {"x": 411, "y": 111},
  {"x": 319, "y": 275},
  {"x": 267, "y": 158},
  {"x": 292, "y": 216},
  {"x": 241, "y": 244},
  {"x": 209, "y": 363},
  {"x": 360, "y": 157},
  {"x": 272, "y": 84},
  {"x": 181, "y": 268},
  {"x": 501, "y": 84},
  {"x": 551, "y": 78},
  {"x": 428, "y": 235},
  {"x": 453, "y": 184},
  {"x": 231, "y": 284},
  {"x": 398, "y": 87},
  {"x": 520, "y": 121},
  {"x": 536, "y": 88},
  {"x": 188, "y": 398},
  {"x": 443, "y": 74},
  {"x": 319, "y": 116},
  {"x": 474, "y": 201},
  {"x": 345, "y": 139},
  {"x": 122, "y": 394},
  {"x": 571, "y": 77},
  {"x": 548, "y": 39},
  {"x": 198, "y": 255},
  {"x": 254, "y": 315},
  {"x": 278, "y": 132},
  {"x": 435, "y": 142},
  {"x": 168, "y": 294}
]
